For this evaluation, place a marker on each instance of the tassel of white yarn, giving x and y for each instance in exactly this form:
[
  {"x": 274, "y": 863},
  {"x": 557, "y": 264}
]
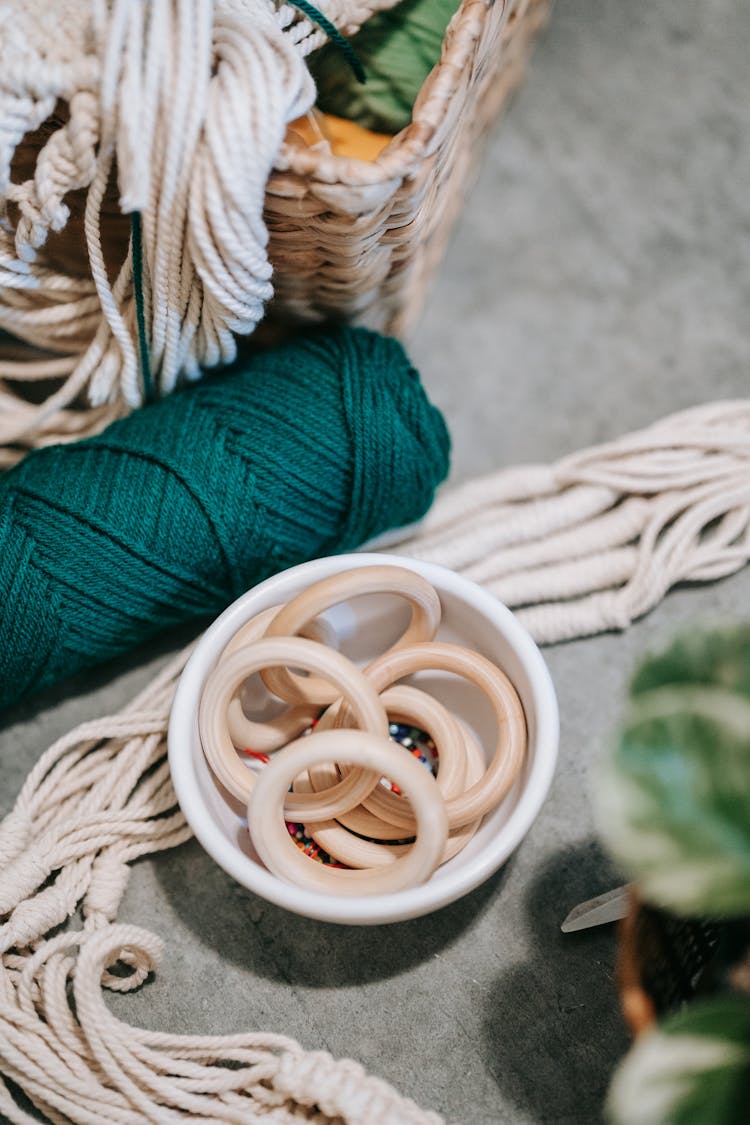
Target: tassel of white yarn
[
  {"x": 99, "y": 798},
  {"x": 190, "y": 102},
  {"x": 597, "y": 540}
]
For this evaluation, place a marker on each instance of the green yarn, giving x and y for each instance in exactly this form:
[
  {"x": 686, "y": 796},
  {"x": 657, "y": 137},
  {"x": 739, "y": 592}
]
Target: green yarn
[
  {"x": 136, "y": 242},
  {"x": 397, "y": 49},
  {"x": 175, "y": 510},
  {"x": 333, "y": 33}
]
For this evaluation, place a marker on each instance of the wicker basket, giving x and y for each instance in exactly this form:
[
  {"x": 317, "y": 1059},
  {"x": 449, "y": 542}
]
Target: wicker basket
[
  {"x": 349, "y": 239},
  {"x": 359, "y": 241}
]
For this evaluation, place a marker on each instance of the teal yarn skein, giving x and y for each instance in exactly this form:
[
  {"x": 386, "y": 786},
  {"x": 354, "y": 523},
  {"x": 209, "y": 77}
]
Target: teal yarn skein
[
  {"x": 175, "y": 510},
  {"x": 397, "y": 49}
]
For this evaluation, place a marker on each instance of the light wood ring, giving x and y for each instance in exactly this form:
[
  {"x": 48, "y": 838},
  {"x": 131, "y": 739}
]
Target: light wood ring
[
  {"x": 298, "y": 652},
  {"x": 347, "y": 848},
  {"x": 290, "y": 724},
  {"x": 369, "y": 752},
  {"x": 510, "y": 749},
  {"x": 426, "y": 613},
  {"x": 402, "y": 703}
]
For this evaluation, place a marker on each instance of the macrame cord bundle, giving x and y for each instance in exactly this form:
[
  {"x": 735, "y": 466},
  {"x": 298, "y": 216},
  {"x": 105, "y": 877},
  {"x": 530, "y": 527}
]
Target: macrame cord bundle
[
  {"x": 187, "y": 104},
  {"x": 172, "y": 512},
  {"x": 99, "y": 798},
  {"x": 595, "y": 541},
  {"x": 587, "y": 544}
]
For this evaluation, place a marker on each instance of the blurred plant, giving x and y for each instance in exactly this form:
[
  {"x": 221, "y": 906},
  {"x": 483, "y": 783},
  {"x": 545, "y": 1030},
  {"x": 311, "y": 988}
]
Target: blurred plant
[{"x": 674, "y": 809}]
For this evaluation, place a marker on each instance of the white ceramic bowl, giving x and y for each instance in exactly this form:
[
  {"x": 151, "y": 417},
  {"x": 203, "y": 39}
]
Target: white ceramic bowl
[{"x": 365, "y": 627}]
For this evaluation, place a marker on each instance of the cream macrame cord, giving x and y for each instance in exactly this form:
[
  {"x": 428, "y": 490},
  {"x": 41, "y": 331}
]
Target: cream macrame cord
[
  {"x": 596, "y": 540},
  {"x": 189, "y": 103},
  {"x": 100, "y": 797}
]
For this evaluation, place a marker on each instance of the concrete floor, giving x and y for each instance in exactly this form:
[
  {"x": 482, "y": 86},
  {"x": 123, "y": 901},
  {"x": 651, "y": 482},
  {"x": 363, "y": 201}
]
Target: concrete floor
[{"x": 598, "y": 279}]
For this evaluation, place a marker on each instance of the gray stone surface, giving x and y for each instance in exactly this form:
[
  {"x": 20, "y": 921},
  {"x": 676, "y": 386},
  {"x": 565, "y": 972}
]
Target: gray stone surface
[{"x": 598, "y": 279}]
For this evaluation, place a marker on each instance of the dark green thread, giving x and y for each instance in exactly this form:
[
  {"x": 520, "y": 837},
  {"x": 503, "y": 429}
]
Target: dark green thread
[
  {"x": 334, "y": 35},
  {"x": 140, "y": 307},
  {"x": 397, "y": 49}
]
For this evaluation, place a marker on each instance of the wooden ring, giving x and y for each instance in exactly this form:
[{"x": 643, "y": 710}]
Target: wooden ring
[
  {"x": 264, "y": 737},
  {"x": 369, "y": 752},
  {"x": 298, "y": 652},
  {"x": 356, "y": 852},
  {"x": 426, "y": 613},
  {"x": 510, "y": 749},
  {"x": 422, "y": 710}
]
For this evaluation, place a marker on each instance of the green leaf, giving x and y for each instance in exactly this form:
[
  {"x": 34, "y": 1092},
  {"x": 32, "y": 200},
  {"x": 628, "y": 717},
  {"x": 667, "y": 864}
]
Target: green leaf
[
  {"x": 693, "y": 1070},
  {"x": 716, "y": 658},
  {"x": 674, "y": 802}
]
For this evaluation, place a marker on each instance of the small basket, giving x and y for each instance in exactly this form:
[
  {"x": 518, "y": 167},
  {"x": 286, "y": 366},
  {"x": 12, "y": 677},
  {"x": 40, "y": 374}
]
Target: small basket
[
  {"x": 351, "y": 240},
  {"x": 663, "y": 961}
]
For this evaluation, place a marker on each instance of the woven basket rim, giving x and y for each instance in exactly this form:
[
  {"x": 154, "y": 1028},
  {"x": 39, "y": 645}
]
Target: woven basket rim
[{"x": 403, "y": 154}]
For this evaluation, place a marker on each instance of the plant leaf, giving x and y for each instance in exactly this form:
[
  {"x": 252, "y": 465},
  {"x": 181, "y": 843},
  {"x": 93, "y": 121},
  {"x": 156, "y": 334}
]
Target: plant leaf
[
  {"x": 674, "y": 802},
  {"x": 715, "y": 658},
  {"x": 693, "y": 1070}
]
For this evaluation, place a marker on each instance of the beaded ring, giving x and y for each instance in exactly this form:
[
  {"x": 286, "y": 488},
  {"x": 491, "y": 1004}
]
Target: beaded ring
[
  {"x": 356, "y": 852},
  {"x": 297, "y": 652},
  {"x": 510, "y": 749},
  {"x": 371, "y": 753},
  {"x": 426, "y": 613},
  {"x": 264, "y": 737}
]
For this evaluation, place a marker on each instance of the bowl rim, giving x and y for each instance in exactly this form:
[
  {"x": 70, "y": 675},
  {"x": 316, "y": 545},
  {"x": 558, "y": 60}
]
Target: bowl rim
[{"x": 400, "y": 905}]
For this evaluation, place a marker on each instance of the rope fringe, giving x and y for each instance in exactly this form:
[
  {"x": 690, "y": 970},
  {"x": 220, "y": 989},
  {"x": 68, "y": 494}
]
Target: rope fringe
[
  {"x": 98, "y": 798},
  {"x": 597, "y": 540}
]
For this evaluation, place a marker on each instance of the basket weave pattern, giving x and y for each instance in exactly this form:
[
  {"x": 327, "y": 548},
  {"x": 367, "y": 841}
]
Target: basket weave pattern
[
  {"x": 359, "y": 241},
  {"x": 661, "y": 962}
]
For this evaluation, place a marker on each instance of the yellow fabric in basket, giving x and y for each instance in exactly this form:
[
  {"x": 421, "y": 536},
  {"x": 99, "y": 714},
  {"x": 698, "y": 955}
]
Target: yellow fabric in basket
[{"x": 344, "y": 138}]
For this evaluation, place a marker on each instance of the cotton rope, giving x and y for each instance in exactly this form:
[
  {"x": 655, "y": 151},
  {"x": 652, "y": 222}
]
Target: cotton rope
[
  {"x": 98, "y": 798},
  {"x": 596, "y": 540},
  {"x": 584, "y": 545},
  {"x": 189, "y": 103}
]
